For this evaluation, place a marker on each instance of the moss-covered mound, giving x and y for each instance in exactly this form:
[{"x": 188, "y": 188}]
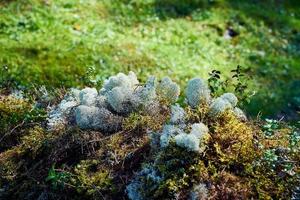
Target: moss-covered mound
[{"x": 144, "y": 141}]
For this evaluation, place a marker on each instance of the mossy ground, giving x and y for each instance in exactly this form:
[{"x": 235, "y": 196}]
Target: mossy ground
[
  {"x": 74, "y": 43},
  {"x": 241, "y": 159}
]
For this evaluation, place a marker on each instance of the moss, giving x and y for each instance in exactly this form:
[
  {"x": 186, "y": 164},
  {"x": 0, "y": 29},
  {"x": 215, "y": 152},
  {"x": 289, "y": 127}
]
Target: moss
[
  {"x": 274, "y": 172},
  {"x": 279, "y": 138},
  {"x": 95, "y": 164},
  {"x": 10, "y": 163},
  {"x": 90, "y": 180},
  {"x": 178, "y": 173},
  {"x": 12, "y": 112},
  {"x": 16, "y": 117},
  {"x": 137, "y": 121},
  {"x": 198, "y": 114},
  {"x": 229, "y": 186},
  {"x": 239, "y": 161},
  {"x": 34, "y": 140},
  {"x": 233, "y": 140}
]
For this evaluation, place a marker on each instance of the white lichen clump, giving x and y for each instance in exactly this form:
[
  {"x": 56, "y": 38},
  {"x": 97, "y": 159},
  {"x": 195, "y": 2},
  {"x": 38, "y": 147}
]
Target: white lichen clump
[
  {"x": 231, "y": 98},
  {"x": 118, "y": 90},
  {"x": 188, "y": 141},
  {"x": 168, "y": 90},
  {"x": 95, "y": 111},
  {"x": 197, "y": 92},
  {"x": 199, "y": 192},
  {"x": 240, "y": 114},
  {"x": 168, "y": 133},
  {"x": 90, "y": 117},
  {"x": 88, "y": 96},
  {"x": 177, "y": 115},
  {"x": 227, "y": 101},
  {"x": 199, "y": 130},
  {"x": 118, "y": 98},
  {"x": 144, "y": 96},
  {"x": 60, "y": 115},
  {"x": 218, "y": 106},
  {"x": 135, "y": 190},
  {"x": 195, "y": 140},
  {"x": 123, "y": 94}
]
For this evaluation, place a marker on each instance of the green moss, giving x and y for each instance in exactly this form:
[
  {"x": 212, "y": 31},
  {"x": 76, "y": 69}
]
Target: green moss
[
  {"x": 240, "y": 162},
  {"x": 233, "y": 140},
  {"x": 89, "y": 180},
  {"x": 139, "y": 121},
  {"x": 33, "y": 141},
  {"x": 55, "y": 43},
  {"x": 9, "y": 165},
  {"x": 16, "y": 117}
]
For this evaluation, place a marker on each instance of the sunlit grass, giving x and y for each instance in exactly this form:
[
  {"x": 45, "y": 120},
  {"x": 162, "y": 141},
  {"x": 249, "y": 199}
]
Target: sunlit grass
[{"x": 54, "y": 43}]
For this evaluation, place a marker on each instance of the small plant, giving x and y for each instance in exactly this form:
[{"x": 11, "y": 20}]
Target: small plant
[
  {"x": 238, "y": 83},
  {"x": 270, "y": 127},
  {"x": 270, "y": 157},
  {"x": 57, "y": 179},
  {"x": 241, "y": 84},
  {"x": 215, "y": 83},
  {"x": 295, "y": 140}
]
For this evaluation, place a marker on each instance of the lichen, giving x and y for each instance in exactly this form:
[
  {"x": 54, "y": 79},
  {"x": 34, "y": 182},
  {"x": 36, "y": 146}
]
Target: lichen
[
  {"x": 196, "y": 140},
  {"x": 239, "y": 113},
  {"x": 120, "y": 80},
  {"x": 199, "y": 192},
  {"x": 231, "y": 98},
  {"x": 88, "y": 96},
  {"x": 168, "y": 133},
  {"x": 197, "y": 92},
  {"x": 218, "y": 106},
  {"x": 168, "y": 90},
  {"x": 133, "y": 140},
  {"x": 97, "y": 119},
  {"x": 138, "y": 189},
  {"x": 188, "y": 141},
  {"x": 177, "y": 114},
  {"x": 199, "y": 130}
]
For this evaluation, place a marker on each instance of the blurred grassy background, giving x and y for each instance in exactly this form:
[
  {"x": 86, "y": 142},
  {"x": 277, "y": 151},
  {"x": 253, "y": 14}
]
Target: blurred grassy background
[{"x": 56, "y": 43}]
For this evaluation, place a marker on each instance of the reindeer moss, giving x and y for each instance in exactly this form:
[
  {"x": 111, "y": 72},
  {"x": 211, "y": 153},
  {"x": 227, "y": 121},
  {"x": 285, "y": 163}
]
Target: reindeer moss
[{"x": 239, "y": 159}]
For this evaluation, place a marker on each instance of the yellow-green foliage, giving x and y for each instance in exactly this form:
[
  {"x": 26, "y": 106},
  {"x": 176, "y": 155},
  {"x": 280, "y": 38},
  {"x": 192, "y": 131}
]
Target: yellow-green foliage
[
  {"x": 274, "y": 173},
  {"x": 89, "y": 179},
  {"x": 280, "y": 138},
  {"x": 197, "y": 115},
  {"x": 233, "y": 140},
  {"x": 269, "y": 184},
  {"x": 33, "y": 141},
  {"x": 139, "y": 121},
  {"x": 180, "y": 169},
  {"x": 12, "y": 112},
  {"x": 16, "y": 117},
  {"x": 9, "y": 164}
]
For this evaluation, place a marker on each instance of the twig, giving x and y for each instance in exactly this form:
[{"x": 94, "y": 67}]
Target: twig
[{"x": 9, "y": 133}]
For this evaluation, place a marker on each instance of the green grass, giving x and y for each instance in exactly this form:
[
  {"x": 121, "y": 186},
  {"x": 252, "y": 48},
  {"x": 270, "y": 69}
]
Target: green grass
[{"x": 55, "y": 43}]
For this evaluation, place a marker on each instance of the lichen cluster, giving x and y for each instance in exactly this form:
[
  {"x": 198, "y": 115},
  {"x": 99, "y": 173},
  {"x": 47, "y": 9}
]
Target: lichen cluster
[
  {"x": 138, "y": 141},
  {"x": 105, "y": 110}
]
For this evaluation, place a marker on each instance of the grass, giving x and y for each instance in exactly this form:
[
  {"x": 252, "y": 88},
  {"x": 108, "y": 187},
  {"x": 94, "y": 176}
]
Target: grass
[{"x": 73, "y": 43}]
